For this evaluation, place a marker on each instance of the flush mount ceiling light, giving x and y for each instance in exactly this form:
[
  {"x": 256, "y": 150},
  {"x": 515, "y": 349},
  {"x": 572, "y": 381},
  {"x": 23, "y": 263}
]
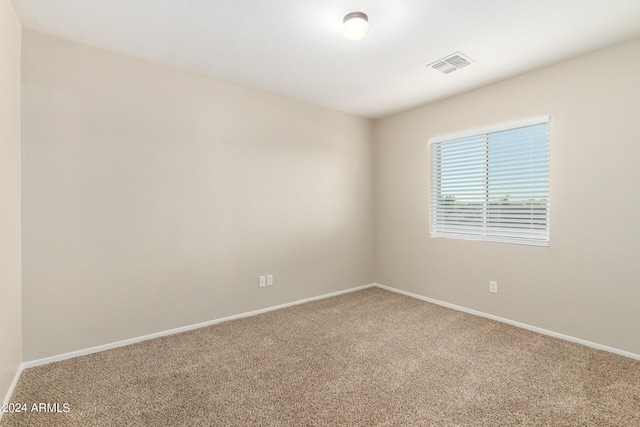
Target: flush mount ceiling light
[{"x": 355, "y": 25}]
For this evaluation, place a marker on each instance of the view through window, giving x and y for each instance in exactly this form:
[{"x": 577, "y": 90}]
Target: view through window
[{"x": 492, "y": 185}]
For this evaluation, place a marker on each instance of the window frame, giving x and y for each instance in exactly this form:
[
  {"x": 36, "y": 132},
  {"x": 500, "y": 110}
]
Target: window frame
[{"x": 498, "y": 233}]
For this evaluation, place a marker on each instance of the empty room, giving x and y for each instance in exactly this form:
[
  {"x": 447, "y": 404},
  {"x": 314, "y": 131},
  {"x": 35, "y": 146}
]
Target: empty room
[{"x": 322, "y": 213}]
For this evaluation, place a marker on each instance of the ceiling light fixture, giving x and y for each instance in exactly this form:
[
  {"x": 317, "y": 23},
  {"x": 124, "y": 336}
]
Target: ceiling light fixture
[{"x": 355, "y": 25}]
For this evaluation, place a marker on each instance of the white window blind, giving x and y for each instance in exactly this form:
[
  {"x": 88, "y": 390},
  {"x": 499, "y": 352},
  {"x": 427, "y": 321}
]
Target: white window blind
[{"x": 492, "y": 185}]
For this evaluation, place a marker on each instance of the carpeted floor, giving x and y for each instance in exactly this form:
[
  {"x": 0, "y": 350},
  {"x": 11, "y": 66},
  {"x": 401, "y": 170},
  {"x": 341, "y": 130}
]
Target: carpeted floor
[{"x": 368, "y": 358}]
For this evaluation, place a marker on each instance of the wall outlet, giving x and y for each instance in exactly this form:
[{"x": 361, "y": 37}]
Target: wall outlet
[
  {"x": 493, "y": 287},
  {"x": 263, "y": 281},
  {"x": 270, "y": 280}
]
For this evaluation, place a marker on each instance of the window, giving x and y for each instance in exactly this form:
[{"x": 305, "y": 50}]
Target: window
[{"x": 492, "y": 185}]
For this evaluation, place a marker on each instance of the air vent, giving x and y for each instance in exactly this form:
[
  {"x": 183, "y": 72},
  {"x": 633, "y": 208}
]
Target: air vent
[{"x": 451, "y": 63}]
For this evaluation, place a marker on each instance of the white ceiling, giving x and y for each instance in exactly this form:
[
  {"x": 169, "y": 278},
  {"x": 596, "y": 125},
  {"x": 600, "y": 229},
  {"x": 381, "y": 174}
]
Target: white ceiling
[{"x": 295, "y": 47}]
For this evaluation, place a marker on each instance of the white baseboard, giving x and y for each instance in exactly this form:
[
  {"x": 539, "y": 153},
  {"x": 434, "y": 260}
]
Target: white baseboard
[
  {"x": 129, "y": 341},
  {"x": 514, "y": 323},
  {"x": 122, "y": 343},
  {"x": 12, "y": 387}
]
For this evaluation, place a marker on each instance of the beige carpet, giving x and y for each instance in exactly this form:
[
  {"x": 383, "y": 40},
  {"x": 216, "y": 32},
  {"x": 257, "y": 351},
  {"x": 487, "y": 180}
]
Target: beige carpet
[{"x": 362, "y": 359}]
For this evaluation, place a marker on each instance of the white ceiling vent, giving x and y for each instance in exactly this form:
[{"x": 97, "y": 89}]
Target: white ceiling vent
[{"x": 451, "y": 63}]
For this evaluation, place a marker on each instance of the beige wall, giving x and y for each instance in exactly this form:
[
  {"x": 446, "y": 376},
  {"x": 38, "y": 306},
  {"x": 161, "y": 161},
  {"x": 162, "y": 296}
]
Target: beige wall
[
  {"x": 10, "y": 246},
  {"x": 586, "y": 284},
  {"x": 154, "y": 197}
]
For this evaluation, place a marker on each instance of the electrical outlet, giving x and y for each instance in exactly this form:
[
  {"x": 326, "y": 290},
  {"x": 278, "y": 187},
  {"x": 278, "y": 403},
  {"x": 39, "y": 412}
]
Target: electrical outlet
[
  {"x": 263, "y": 281},
  {"x": 270, "y": 280},
  {"x": 493, "y": 287}
]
